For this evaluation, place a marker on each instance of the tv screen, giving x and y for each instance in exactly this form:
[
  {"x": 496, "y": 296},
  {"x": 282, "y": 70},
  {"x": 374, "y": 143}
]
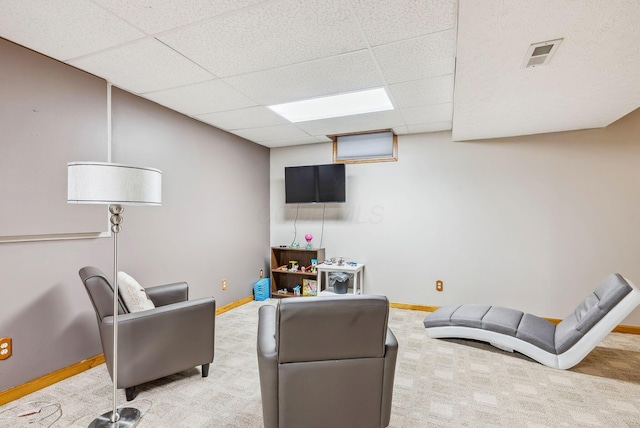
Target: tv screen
[{"x": 315, "y": 184}]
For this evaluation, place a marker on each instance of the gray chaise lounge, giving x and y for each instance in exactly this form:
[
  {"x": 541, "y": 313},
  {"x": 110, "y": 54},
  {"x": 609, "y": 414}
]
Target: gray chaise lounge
[{"x": 562, "y": 346}]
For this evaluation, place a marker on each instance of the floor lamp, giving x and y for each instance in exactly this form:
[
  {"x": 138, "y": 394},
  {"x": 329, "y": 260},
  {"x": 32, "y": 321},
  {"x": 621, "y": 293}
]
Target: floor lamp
[{"x": 115, "y": 185}]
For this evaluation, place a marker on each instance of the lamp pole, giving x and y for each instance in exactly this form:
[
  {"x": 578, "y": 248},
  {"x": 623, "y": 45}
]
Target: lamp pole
[{"x": 116, "y": 219}]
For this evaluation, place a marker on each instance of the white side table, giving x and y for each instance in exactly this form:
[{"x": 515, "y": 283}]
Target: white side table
[{"x": 355, "y": 269}]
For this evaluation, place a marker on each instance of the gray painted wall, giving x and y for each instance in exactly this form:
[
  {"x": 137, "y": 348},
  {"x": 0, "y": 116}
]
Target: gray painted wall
[
  {"x": 533, "y": 222},
  {"x": 41, "y": 95},
  {"x": 213, "y": 223}
]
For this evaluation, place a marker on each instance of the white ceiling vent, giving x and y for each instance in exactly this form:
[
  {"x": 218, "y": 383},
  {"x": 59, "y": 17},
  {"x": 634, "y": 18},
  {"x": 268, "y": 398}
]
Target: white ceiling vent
[{"x": 540, "y": 53}]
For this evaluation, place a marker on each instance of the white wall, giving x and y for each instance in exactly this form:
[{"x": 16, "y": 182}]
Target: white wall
[{"x": 532, "y": 223}]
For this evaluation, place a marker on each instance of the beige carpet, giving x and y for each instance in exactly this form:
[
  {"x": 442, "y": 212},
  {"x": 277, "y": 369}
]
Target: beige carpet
[{"x": 439, "y": 383}]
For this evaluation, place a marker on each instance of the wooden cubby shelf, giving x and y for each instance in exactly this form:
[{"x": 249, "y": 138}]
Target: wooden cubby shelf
[{"x": 285, "y": 279}]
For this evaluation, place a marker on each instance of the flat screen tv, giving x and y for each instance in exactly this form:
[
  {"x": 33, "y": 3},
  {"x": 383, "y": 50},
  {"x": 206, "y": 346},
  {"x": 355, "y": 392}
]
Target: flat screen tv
[{"x": 315, "y": 184}]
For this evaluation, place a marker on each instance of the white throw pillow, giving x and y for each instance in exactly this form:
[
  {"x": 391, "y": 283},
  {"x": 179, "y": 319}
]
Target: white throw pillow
[{"x": 133, "y": 294}]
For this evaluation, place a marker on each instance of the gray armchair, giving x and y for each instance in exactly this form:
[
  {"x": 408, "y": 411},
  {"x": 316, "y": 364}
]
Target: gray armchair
[
  {"x": 326, "y": 362},
  {"x": 175, "y": 336}
]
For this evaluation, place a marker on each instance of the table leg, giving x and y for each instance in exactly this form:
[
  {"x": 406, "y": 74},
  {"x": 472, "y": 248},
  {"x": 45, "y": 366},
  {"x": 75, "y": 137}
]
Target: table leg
[{"x": 355, "y": 283}]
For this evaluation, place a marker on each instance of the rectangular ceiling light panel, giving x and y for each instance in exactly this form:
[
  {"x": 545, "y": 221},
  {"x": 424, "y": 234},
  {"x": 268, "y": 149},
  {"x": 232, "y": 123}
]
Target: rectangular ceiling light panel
[{"x": 347, "y": 104}]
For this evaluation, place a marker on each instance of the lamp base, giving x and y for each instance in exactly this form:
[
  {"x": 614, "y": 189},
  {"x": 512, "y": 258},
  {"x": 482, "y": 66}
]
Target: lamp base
[{"x": 129, "y": 418}]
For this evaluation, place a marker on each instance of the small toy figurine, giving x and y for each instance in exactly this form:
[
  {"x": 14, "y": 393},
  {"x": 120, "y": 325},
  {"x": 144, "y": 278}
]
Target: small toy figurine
[
  {"x": 296, "y": 290},
  {"x": 308, "y": 237}
]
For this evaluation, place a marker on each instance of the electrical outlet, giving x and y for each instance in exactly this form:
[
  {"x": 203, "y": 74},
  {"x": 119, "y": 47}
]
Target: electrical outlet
[
  {"x": 5, "y": 348},
  {"x": 224, "y": 284},
  {"x": 261, "y": 273},
  {"x": 439, "y": 285}
]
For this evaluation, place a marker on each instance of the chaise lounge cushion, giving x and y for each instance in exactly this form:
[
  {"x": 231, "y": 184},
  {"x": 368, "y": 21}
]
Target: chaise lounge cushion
[
  {"x": 442, "y": 316},
  {"x": 502, "y": 320},
  {"x": 590, "y": 311},
  {"x": 538, "y": 332},
  {"x": 469, "y": 315}
]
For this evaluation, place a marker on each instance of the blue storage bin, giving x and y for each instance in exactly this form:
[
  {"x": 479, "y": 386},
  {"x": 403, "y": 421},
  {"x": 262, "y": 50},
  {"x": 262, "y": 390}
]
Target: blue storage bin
[{"x": 262, "y": 289}]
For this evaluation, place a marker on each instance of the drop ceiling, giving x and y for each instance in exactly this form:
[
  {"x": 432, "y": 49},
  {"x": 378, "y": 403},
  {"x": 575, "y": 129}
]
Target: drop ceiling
[{"x": 446, "y": 64}]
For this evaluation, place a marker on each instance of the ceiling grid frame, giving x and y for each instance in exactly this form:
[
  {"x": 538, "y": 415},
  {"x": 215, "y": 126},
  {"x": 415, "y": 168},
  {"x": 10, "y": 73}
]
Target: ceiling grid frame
[{"x": 437, "y": 60}]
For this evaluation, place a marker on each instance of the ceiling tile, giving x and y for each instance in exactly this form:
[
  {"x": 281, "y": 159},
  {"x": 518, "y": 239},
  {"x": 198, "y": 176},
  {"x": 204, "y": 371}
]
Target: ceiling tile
[
  {"x": 355, "y": 123},
  {"x": 268, "y": 133},
  {"x": 386, "y": 21},
  {"x": 154, "y": 16},
  {"x": 63, "y": 29},
  {"x": 419, "y": 58},
  {"x": 143, "y": 66},
  {"x": 290, "y": 142},
  {"x": 430, "y": 127},
  {"x": 428, "y": 114},
  {"x": 200, "y": 98},
  {"x": 239, "y": 119},
  {"x": 269, "y": 35},
  {"x": 436, "y": 90},
  {"x": 419, "y": 129},
  {"x": 400, "y": 130},
  {"x": 343, "y": 73}
]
